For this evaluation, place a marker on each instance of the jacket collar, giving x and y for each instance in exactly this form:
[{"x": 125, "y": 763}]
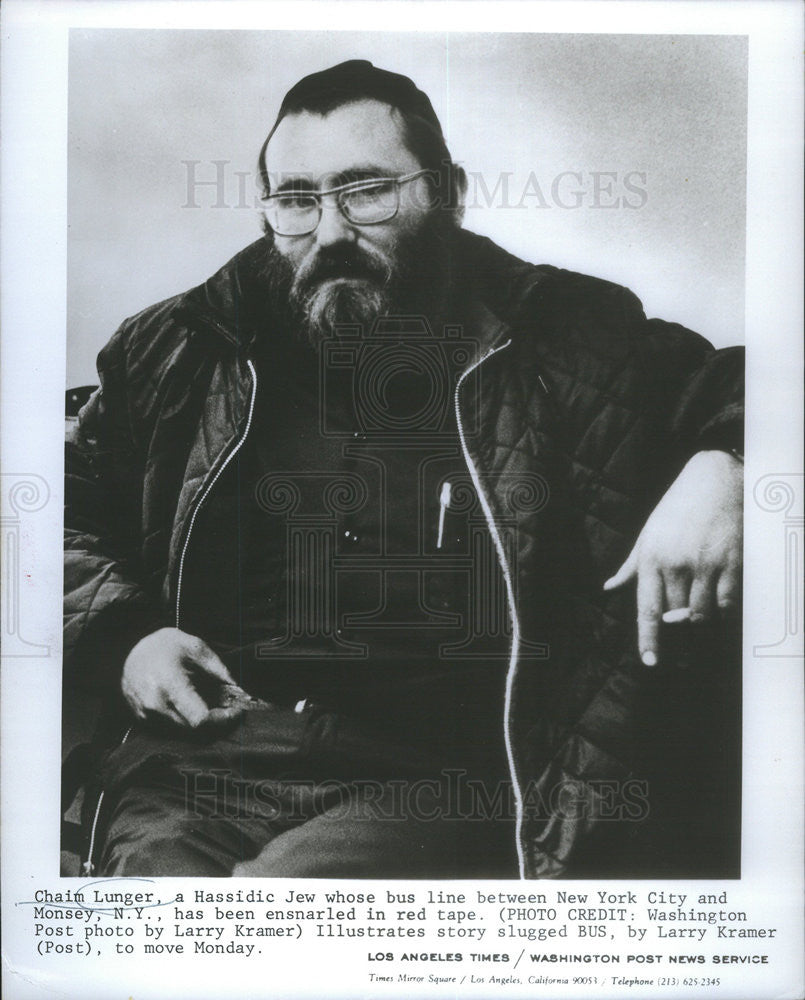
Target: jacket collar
[
  {"x": 229, "y": 303},
  {"x": 492, "y": 285}
]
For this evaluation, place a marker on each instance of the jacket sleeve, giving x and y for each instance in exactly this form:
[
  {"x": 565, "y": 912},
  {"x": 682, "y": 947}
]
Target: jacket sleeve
[
  {"x": 707, "y": 410},
  {"x": 106, "y": 607},
  {"x": 691, "y": 392}
]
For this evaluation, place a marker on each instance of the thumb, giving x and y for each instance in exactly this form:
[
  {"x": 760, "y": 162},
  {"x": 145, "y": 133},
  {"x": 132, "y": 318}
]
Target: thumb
[
  {"x": 210, "y": 662},
  {"x": 626, "y": 573}
]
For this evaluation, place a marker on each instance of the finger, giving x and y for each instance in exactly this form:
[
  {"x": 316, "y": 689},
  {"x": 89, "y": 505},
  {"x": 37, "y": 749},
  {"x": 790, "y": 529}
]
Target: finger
[
  {"x": 155, "y": 716},
  {"x": 649, "y": 613},
  {"x": 728, "y": 590},
  {"x": 702, "y": 598},
  {"x": 189, "y": 704},
  {"x": 625, "y": 573},
  {"x": 232, "y": 696},
  {"x": 676, "y": 615},
  {"x": 220, "y": 717},
  {"x": 677, "y": 588},
  {"x": 133, "y": 699},
  {"x": 210, "y": 662}
]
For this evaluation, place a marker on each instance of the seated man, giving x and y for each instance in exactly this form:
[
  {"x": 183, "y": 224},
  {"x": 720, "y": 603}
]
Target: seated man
[{"x": 399, "y": 556}]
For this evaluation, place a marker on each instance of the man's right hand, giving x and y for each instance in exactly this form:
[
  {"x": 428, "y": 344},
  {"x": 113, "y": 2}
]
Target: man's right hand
[{"x": 162, "y": 676}]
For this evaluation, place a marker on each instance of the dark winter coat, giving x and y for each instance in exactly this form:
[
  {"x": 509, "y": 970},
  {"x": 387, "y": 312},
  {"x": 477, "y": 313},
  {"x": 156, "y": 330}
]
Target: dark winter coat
[{"x": 588, "y": 413}]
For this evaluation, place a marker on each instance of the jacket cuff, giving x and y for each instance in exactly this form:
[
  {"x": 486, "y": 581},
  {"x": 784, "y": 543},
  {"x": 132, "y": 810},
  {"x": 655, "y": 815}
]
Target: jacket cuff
[{"x": 725, "y": 432}]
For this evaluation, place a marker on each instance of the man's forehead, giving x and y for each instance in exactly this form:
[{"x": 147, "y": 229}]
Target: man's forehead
[{"x": 348, "y": 139}]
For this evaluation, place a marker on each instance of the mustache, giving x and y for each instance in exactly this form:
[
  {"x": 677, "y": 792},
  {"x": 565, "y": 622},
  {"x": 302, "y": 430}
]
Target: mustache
[
  {"x": 414, "y": 278},
  {"x": 344, "y": 260}
]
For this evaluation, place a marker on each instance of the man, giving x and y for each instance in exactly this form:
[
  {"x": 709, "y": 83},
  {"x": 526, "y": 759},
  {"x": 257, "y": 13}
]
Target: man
[{"x": 407, "y": 557}]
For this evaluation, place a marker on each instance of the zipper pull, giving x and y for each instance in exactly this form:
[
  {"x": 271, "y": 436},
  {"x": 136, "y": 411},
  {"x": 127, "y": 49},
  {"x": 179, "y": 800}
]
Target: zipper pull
[{"x": 444, "y": 503}]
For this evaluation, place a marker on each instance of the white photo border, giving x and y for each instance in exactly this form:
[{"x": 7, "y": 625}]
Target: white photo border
[{"x": 32, "y": 363}]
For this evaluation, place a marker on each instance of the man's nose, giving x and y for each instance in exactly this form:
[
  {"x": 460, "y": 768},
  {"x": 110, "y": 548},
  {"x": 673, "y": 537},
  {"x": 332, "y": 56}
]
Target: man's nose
[{"x": 333, "y": 227}]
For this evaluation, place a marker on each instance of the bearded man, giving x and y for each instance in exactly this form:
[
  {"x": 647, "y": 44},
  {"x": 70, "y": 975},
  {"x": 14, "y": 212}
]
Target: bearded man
[{"x": 399, "y": 556}]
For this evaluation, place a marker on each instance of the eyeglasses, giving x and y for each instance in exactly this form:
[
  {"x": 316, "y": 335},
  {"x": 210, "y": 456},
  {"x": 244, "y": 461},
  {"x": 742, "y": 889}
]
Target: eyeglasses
[{"x": 363, "y": 203}]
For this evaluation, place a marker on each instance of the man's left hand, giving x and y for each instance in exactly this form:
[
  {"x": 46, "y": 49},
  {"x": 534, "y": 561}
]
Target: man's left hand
[{"x": 687, "y": 559}]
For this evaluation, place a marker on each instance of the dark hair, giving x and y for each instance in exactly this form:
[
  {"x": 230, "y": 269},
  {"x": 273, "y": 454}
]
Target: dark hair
[{"x": 421, "y": 138}]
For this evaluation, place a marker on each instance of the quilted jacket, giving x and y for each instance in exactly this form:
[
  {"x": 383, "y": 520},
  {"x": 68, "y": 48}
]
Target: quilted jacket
[{"x": 588, "y": 413}]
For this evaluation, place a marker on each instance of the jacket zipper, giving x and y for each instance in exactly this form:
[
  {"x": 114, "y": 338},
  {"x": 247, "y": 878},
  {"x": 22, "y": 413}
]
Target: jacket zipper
[
  {"x": 208, "y": 489},
  {"x": 88, "y": 864},
  {"x": 507, "y": 577},
  {"x": 501, "y": 554}
]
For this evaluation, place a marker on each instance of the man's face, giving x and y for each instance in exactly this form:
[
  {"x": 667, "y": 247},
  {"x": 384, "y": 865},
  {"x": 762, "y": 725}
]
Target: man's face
[{"x": 344, "y": 272}]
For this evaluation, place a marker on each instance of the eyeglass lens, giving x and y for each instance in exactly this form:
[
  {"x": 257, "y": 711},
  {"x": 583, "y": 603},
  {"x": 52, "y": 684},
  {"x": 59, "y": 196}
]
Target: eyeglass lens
[{"x": 296, "y": 214}]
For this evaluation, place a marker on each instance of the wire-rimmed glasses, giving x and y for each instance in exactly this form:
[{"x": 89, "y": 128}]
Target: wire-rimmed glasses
[{"x": 363, "y": 203}]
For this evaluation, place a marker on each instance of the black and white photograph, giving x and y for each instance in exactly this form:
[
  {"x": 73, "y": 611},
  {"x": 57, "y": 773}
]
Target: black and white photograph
[
  {"x": 402, "y": 555},
  {"x": 405, "y": 470}
]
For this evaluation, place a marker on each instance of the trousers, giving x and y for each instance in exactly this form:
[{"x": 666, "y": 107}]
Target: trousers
[{"x": 303, "y": 794}]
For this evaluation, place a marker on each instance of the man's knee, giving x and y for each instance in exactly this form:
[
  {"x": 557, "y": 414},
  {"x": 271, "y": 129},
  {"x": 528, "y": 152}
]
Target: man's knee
[
  {"x": 148, "y": 836},
  {"x": 158, "y": 856}
]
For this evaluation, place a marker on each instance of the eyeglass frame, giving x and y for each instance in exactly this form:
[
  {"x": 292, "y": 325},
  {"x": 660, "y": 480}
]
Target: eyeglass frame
[{"x": 346, "y": 189}]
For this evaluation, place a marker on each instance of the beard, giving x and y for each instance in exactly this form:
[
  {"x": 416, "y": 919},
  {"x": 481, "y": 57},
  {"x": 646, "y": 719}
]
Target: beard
[{"x": 346, "y": 286}]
